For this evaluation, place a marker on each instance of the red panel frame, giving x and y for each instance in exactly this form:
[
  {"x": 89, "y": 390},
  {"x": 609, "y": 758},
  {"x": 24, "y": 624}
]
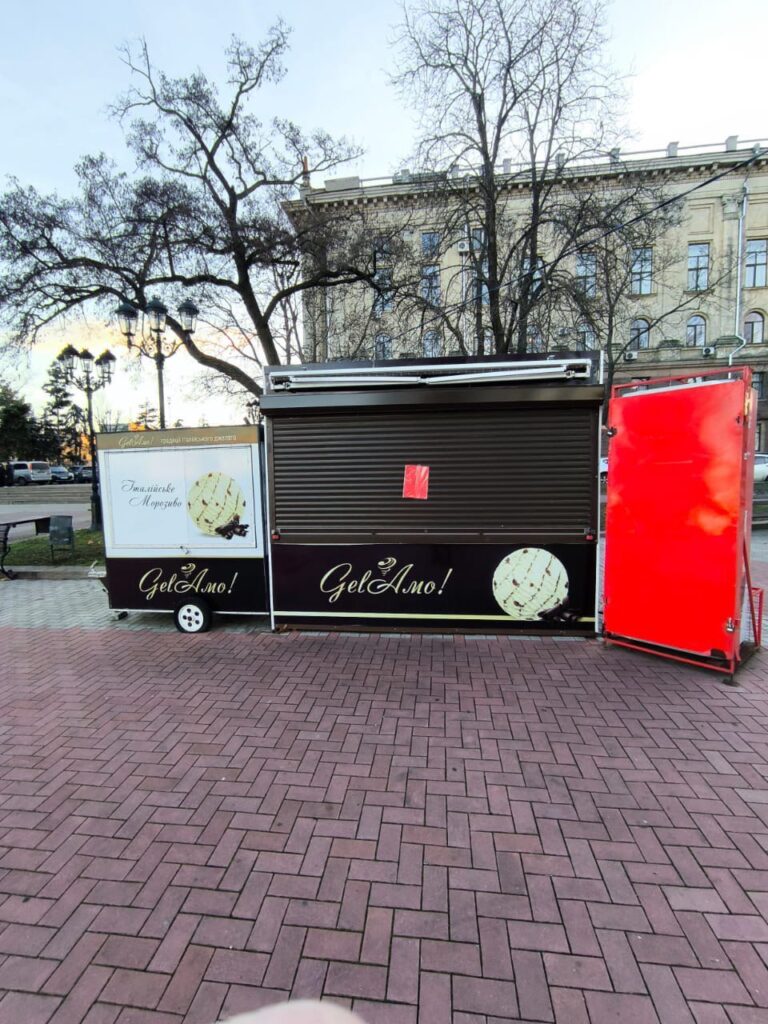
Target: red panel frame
[{"x": 678, "y": 515}]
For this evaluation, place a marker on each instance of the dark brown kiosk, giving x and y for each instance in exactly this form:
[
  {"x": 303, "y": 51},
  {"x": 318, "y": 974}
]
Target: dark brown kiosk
[{"x": 459, "y": 494}]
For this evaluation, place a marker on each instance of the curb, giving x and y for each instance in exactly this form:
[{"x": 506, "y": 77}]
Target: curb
[{"x": 53, "y": 572}]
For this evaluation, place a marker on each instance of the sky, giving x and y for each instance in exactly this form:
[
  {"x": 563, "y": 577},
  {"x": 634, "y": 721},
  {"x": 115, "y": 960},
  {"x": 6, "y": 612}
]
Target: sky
[{"x": 692, "y": 77}]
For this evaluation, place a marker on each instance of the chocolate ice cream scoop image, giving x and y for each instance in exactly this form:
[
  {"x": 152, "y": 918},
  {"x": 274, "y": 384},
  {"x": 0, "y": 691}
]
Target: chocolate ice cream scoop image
[
  {"x": 214, "y": 500},
  {"x": 530, "y": 582}
]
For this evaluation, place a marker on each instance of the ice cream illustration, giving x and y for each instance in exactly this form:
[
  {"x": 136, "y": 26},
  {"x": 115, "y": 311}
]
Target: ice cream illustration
[
  {"x": 530, "y": 582},
  {"x": 214, "y": 502}
]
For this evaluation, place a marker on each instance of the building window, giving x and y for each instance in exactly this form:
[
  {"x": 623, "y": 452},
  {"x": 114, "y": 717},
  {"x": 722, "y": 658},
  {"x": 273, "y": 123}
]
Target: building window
[
  {"x": 432, "y": 345},
  {"x": 430, "y": 284},
  {"x": 536, "y": 341},
  {"x": 642, "y": 271},
  {"x": 486, "y": 345},
  {"x": 382, "y": 250},
  {"x": 758, "y": 383},
  {"x": 382, "y": 348},
  {"x": 755, "y": 263},
  {"x": 482, "y": 295},
  {"x": 586, "y": 274},
  {"x": 754, "y": 328},
  {"x": 639, "y": 334},
  {"x": 698, "y": 266},
  {"x": 384, "y": 299},
  {"x": 536, "y": 276},
  {"x": 430, "y": 245},
  {"x": 587, "y": 337},
  {"x": 696, "y": 331},
  {"x": 478, "y": 239}
]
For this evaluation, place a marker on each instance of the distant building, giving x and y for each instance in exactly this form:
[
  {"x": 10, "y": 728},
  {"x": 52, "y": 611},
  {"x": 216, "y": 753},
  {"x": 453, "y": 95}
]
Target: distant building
[{"x": 721, "y": 300}]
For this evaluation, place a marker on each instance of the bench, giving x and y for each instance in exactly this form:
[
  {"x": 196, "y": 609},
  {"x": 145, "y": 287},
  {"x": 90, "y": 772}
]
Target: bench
[
  {"x": 5, "y": 547},
  {"x": 42, "y": 525}
]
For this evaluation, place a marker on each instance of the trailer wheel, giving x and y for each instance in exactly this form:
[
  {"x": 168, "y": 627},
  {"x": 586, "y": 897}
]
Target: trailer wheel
[{"x": 192, "y": 617}]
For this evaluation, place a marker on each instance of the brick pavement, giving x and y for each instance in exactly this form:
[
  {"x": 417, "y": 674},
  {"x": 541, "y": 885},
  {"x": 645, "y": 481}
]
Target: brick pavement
[
  {"x": 41, "y": 604},
  {"x": 425, "y": 829}
]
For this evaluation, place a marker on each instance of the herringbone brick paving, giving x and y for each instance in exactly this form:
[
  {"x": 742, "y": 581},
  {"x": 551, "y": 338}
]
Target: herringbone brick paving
[{"x": 425, "y": 829}]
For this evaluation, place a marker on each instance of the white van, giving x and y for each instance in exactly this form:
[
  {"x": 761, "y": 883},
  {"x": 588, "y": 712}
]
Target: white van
[{"x": 31, "y": 472}]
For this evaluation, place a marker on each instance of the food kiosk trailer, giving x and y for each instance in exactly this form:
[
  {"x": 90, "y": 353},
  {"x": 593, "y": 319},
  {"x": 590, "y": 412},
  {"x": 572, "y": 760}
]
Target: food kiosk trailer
[
  {"x": 451, "y": 495},
  {"x": 438, "y": 495},
  {"x": 183, "y": 522}
]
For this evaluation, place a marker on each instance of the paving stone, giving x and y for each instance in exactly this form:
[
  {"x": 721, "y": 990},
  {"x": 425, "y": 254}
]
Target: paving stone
[
  {"x": 357, "y": 980},
  {"x": 615, "y": 1008},
  {"x": 25, "y": 973}
]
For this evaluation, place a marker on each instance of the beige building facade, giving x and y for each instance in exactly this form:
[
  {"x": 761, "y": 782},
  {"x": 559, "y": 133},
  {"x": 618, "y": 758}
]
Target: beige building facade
[{"x": 696, "y": 298}]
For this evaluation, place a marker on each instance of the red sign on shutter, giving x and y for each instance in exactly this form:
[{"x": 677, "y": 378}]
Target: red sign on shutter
[{"x": 416, "y": 482}]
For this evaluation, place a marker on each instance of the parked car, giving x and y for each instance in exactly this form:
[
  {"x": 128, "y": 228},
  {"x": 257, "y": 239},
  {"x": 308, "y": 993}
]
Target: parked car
[
  {"x": 31, "y": 473},
  {"x": 61, "y": 475},
  {"x": 82, "y": 474}
]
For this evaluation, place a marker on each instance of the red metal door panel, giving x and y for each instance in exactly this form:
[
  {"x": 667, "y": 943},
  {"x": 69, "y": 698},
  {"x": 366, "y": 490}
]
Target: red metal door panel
[{"x": 678, "y": 502}]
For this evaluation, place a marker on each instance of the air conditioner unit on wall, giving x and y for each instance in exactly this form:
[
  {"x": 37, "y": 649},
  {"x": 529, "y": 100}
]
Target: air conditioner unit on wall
[
  {"x": 709, "y": 352},
  {"x": 630, "y": 357},
  {"x": 463, "y": 245}
]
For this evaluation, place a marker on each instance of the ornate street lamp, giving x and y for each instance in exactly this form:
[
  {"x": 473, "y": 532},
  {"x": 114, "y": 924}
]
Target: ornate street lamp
[
  {"x": 127, "y": 316},
  {"x": 157, "y": 315},
  {"x": 188, "y": 313},
  {"x": 88, "y": 375},
  {"x": 106, "y": 364}
]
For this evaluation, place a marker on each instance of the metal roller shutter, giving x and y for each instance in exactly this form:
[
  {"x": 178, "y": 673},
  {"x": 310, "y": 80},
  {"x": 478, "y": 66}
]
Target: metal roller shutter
[{"x": 493, "y": 473}]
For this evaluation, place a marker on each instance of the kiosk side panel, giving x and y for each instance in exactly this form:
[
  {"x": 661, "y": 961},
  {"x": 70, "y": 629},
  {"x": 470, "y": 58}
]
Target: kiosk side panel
[
  {"x": 160, "y": 584},
  {"x": 183, "y": 519},
  {"x": 536, "y": 587}
]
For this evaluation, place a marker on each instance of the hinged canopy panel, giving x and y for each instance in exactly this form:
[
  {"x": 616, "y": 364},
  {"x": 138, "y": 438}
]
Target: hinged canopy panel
[{"x": 679, "y": 504}]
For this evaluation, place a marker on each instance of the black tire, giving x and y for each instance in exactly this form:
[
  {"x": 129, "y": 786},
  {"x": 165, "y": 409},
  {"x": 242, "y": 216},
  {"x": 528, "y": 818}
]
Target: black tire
[
  {"x": 22, "y": 481},
  {"x": 192, "y": 617}
]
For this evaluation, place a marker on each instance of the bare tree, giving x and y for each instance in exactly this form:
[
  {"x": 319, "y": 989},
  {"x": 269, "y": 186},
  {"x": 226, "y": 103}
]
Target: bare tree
[
  {"x": 203, "y": 212},
  {"x": 513, "y": 95},
  {"x": 632, "y": 252}
]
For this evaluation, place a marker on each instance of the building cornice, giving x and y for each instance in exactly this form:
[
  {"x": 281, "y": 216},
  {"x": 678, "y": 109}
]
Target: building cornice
[{"x": 672, "y": 165}]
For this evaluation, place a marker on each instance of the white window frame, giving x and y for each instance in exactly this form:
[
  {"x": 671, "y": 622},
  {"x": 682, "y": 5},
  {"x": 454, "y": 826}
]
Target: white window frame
[
  {"x": 382, "y": 341},
  {"x": 587, "y": 337},
  {"x": 696, "y": 331},
  {"x": 749, "y": 327},
  {"x": 430, "y": 245},
  {"x": 432, "y": 344},
  {"x": 586, "y": 274},
  {"x": 756, "y": 263},
  {"x": 698, "y": 266},
  {"x": 430, "y": 284},
  {"x": 384, "y": 300},
  {"x": 642, "y": 271},
  {"x": 639, "y": 337}
]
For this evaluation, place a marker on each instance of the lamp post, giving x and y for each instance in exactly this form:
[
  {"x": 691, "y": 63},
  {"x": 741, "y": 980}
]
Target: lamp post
[
  {"x": 89, "y": 375},
  {"x": 157, "y": 315}
]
